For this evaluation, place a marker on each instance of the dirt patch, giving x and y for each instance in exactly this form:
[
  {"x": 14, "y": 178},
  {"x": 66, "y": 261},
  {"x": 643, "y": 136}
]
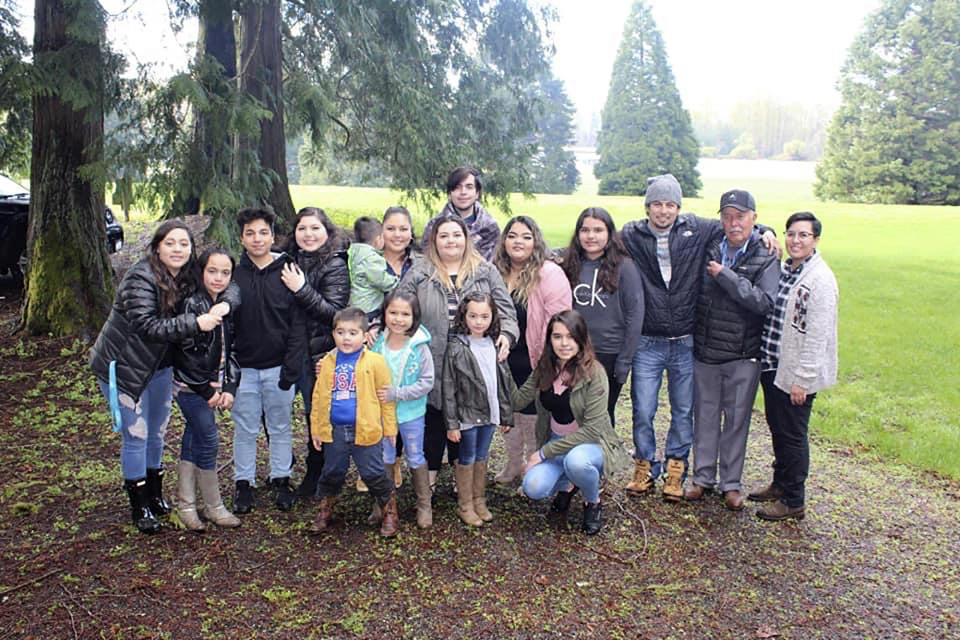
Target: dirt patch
[{"x": 876, "y": 557}]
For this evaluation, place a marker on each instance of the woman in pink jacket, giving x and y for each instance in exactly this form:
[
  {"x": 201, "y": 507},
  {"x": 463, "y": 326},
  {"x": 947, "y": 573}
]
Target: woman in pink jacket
[{"x": 539, "y": 289}]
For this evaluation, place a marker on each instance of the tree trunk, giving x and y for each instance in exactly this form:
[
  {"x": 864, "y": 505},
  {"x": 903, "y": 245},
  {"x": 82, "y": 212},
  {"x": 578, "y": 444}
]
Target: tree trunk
[
  {"x": 69, "y": 282},
  {"x": 261, "y": 76}
]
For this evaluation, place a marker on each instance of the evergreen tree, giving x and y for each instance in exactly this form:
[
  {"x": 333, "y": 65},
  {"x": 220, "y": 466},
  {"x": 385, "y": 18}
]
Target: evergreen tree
[
  {"x": 896, "y": 136},
  {"x": 15, "y": 91},
  {"x": 554, "y": 168},
  {"x": 645, "y": 131}
]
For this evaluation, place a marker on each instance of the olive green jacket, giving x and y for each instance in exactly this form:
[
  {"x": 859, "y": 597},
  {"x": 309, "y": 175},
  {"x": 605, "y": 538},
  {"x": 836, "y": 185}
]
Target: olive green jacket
[{"x": 588, "y": 403}]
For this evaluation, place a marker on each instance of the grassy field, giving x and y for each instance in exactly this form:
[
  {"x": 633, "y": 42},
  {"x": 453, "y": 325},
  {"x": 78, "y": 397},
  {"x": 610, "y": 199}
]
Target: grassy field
[{"x": 897, "y": 267}]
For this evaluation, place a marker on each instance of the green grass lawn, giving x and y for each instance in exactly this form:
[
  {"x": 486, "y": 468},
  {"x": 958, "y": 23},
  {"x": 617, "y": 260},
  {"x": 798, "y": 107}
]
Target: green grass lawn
[{"x": 897, "y": 267}]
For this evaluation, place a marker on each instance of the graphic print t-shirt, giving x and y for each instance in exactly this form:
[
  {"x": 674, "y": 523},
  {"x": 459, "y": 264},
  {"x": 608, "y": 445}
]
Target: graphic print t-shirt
[{"x": 343, "y": 404}]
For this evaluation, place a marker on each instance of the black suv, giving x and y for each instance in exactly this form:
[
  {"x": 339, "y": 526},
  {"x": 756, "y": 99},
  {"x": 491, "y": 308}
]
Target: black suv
[{"x": 14, "y": 206}]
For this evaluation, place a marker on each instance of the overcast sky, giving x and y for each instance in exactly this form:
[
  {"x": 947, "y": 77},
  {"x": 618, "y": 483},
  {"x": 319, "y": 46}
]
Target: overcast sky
[{"x": 721, "y": 51}]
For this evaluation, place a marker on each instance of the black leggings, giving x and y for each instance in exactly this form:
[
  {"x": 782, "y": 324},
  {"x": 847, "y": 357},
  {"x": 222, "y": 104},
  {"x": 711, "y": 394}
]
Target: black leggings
[
  {"x": 435, "y": 439},
  {"x": 609, "y": 362}
]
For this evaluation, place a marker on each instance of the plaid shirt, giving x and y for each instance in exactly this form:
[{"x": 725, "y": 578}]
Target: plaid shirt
[{"x": 773, "y": 326}]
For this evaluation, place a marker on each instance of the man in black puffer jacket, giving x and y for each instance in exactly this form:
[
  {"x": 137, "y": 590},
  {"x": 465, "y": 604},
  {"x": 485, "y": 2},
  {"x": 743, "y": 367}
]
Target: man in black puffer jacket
[
  {"x": 668, "y": 248},
  {"x": 738, "y": 289}
]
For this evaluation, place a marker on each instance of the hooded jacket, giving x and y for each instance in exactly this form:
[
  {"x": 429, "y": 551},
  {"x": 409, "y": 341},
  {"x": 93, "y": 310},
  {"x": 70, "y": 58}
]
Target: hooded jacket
[
  {"x": 411, "y": 388},
  {"x": 369, "y": 277}
]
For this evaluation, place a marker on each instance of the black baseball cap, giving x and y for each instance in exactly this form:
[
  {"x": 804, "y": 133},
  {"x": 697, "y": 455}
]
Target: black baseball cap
[{"x": 738, "y": 199}]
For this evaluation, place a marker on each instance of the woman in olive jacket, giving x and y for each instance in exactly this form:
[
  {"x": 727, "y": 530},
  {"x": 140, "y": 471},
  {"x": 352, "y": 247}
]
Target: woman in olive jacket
[
  {"x": 576, "y": 440},
  {"x": 320, "y": 284},
  {"x": 132, "y": 348}
]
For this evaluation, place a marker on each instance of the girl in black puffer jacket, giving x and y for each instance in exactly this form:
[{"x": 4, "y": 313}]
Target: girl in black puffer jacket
[
  {"x": 133, "y": 343},
  {"x": 206, "y": 375},
  {"x": 320, "y": 282}
]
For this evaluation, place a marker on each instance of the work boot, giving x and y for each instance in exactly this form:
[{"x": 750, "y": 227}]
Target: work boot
[
  {"x": 213, "y": 507},
  {"x": 780, "y": 511},
  {"x": 283, "y": 495},
  {"x": 391, "y": 519},
  {"x": 421, "y": 485},
  {"x": 376, "y": 514},
  {"x": 733, "y": 500},
  {"x": 673, "y": 482},
  {"x": 592, "y": 519},
  {"x": 694, "y": 493},
  {"x": 771, "y": 494},
  {"x": 324, "y": 515},
  {"x": 513, "y": 468},
  {"x": 243, "y": 497},
  {"x": 480, "y": 491},
  {"x": 464, "y": 474},
  {"x": 158, "y": 506},
  {"x": 187, "y": 496},
  {"x": 143, "y": 519},
  {"x": 642, "y": 481}
]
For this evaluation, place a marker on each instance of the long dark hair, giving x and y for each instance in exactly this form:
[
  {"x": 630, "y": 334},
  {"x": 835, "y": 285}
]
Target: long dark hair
[
  {"x": 202, "y": 261},
  {"x": 460, "y": 322},
  {"x": 398, "y": 210},
  {"x": 336, "y": 239},
  {"x": 409, "y": 298},
  {"x": 608, "y": 273},
  {"x": 529, "y": 276},
  {"x": 172, "y": 288},
  {"x": 577, "y": 367}
]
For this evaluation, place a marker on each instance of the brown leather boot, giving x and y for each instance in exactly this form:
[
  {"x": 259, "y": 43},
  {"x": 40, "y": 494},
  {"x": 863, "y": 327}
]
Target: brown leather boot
[
  {"x": 324, "y": 514},
  {"x": 771, "y": 494},
  {"x": 421, "y": 484},
  {"x": 391, "y": 519},
  {"x": 480, "y": 491},
  {"x": 642, "y": 482},
  {"x": 464, "y": 474},
  {"x": 376, "y": 514},
  {"x": 673, "y": 482}
]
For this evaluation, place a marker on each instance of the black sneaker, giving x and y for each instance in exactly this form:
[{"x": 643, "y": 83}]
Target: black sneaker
[
  {"x": 283, "y": 495},
  {"x": 243, "y": 498}
]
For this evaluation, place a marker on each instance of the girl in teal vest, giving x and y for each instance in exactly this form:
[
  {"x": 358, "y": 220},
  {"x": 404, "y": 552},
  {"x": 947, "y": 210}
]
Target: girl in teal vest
[{"x": 405, "y": 344}]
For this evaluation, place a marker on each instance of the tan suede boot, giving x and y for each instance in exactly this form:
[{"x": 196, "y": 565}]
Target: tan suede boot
[
  {"x": 187, "y": 496},
  {"x": 480, "y": 491},
  {"x": 421, "y": 484},
  {"x": 464, "y": 473},
  {"x": 213, "y": 508},
  {"x": 673, "y": 482},
  {"x": 642, "y": 482}
]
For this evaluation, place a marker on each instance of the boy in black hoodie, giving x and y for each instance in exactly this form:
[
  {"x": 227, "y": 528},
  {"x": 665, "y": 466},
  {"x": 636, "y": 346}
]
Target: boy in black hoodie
[{"x": 269, "y": 347}]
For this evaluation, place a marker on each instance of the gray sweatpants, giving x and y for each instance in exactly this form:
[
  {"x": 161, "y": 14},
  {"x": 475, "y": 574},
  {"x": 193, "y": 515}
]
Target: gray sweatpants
[{"x": 723, "y": 392}]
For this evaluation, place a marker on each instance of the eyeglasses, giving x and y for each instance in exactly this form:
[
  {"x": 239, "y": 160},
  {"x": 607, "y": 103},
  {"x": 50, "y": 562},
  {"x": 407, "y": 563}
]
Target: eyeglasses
[{"x": 803, "y": 235}]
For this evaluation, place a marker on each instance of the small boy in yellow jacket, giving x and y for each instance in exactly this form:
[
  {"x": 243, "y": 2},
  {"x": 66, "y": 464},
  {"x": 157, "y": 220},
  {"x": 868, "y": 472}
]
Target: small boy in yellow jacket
[{"x": 350, "y": 421}]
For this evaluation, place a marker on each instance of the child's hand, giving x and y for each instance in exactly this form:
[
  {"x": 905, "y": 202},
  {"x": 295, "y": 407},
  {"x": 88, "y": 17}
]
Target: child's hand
[
  {"x": 316, "y": 366},
  {"x": 453, "y": 435},
  {"x": 370, "y": 337},
  {"x": 214, "y": 401},
  {"x": 317, "y": 444},
  {"x": 505, "y": 428},
  {"x": 208, "y": 321},
  {"x": 220, "y": 309},
  {"x": 226, "y": 401},
  {"x": 383, "y": 393},
  {"x": 392, "y": 440}
]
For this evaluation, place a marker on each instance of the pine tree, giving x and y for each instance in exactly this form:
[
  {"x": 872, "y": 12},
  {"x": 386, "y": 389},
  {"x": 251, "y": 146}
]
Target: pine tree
[
  {"x": 554, "y": 168},
  {"x": 896, "y": 136},
  {"x": 646, "y": 131}
]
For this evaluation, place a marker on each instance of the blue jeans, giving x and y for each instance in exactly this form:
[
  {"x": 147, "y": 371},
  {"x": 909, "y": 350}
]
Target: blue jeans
[
  {"x": 369, "y": 461},
  {"x": 653, "y": 356},
  {"x": 412, "y": 434},
  {"x": 200, "y": 441},
  {"x": 475, "y": 443},
  {"x": 258, "y": 395},
  {"x": 582, "y": 465},
  {"x": 144, "y": 424}
]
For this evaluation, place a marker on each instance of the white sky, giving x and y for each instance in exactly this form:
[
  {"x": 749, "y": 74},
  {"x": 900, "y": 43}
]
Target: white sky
[{"x": 721, "y": 51}]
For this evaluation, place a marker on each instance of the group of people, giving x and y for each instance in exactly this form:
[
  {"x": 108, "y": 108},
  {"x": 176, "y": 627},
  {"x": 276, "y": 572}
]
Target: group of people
[{"x": 483, "y": 329}]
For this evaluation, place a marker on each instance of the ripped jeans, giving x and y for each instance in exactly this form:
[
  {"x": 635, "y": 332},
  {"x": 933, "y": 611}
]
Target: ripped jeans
[{"x": 144, "y": 424}]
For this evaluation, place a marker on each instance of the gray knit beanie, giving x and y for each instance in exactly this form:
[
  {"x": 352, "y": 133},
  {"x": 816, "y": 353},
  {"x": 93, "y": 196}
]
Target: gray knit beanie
[{"x": 664, "y": 188}]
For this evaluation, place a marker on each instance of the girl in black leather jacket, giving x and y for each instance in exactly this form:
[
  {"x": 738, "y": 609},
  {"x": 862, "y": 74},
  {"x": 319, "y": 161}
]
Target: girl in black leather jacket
[
  {"x": 134, "y": 342},
  {"x": 206, "y": 375},
  {"x": 320, "y": 283}
]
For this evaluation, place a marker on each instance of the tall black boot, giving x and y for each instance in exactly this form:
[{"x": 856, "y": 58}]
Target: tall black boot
[
  {"x": 308, "y": 486},
  {"x": 592, "y": 520},
  {"x": 143, "y": 518},
  {"x": 158, "y": 505}
]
